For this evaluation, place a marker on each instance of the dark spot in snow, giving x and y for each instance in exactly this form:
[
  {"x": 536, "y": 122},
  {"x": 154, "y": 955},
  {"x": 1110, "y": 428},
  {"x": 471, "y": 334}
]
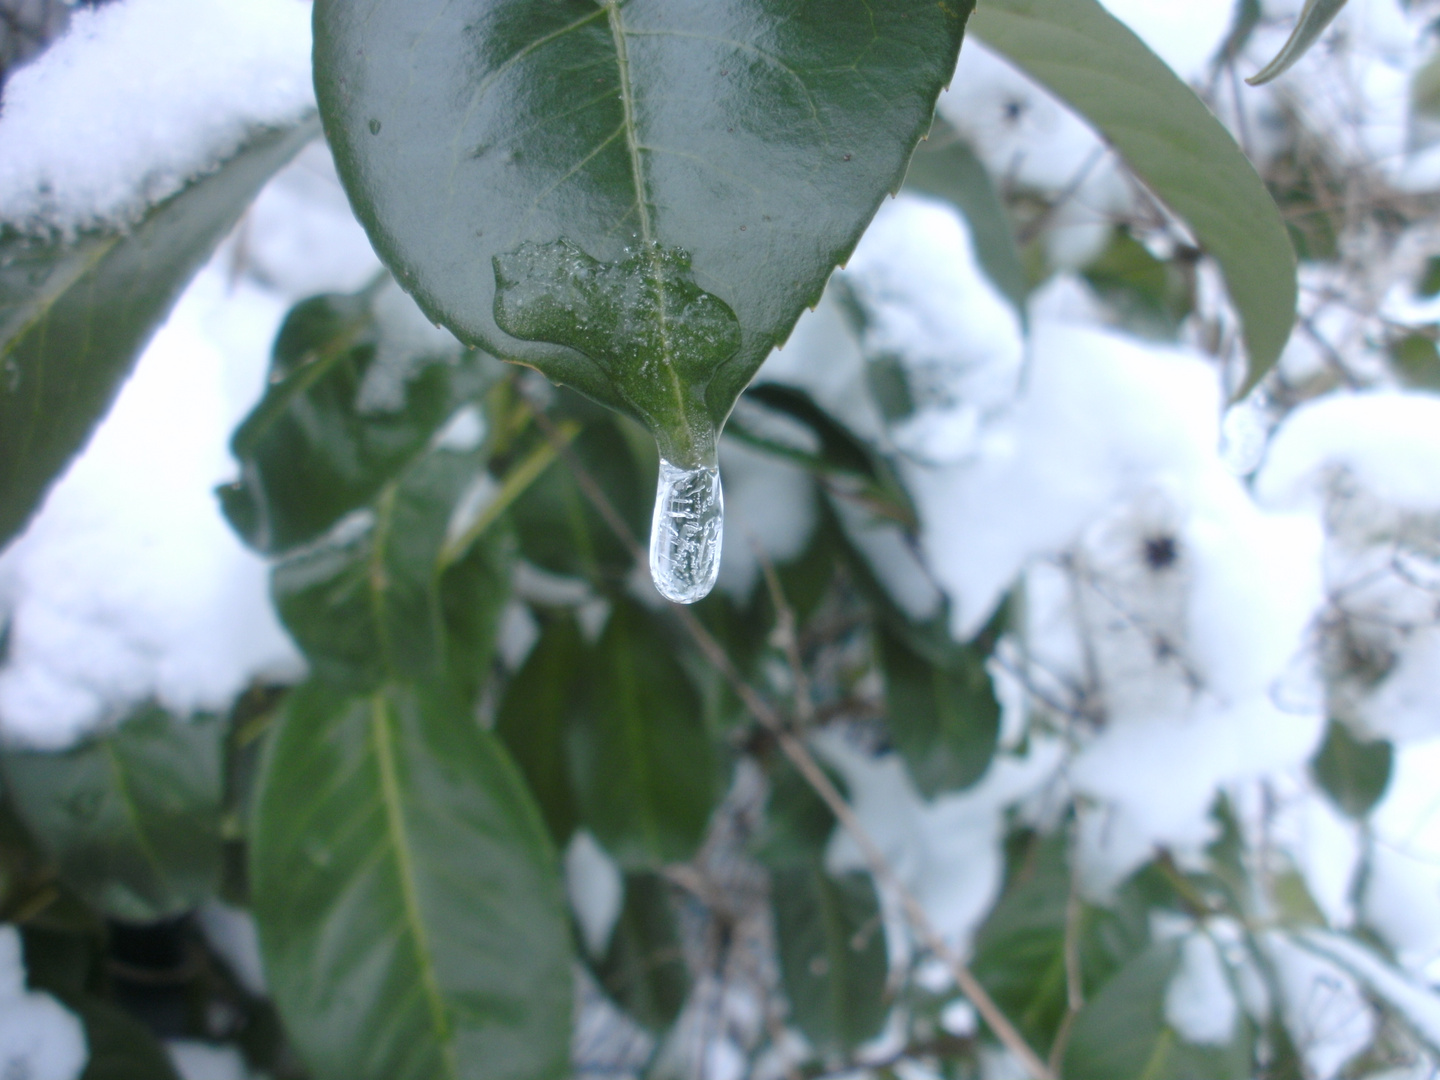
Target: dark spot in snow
[{"x": 1161, "y": 551}]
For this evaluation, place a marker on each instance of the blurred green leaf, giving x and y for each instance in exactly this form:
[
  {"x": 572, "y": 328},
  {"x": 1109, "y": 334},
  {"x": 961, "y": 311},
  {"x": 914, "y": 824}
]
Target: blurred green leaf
[
  {"x": 798, "y": 824},
  {"x": 408, "y": 900},
  {"x": 644, "y": 968},
  {"x": 358, "y": 386},
  {"x": 1314, "y": 18},
  {"x": 560, "y": 531},
  {"x": 1020, "y": 948},
  {"x": 1418, "y": 360},
  {"x": 371, "y": 601},
  {"x": 534, "y": 717},
  {"x": 643, "y": 771},
  {"x": 943, "y": 718},
  {"x": 1122, "y": 1034},
  {"x": 1429, "y": 284},
  {"x": 74, "y": 315},
  {"x": 1425, "y": 91},
  {"x": 131, "y": 817},
  {"x": 945, "y": 167},
  {"x": 538, "y": 146},
  {"x": 1170, "y": 139},
  {"x": 121, "y": 1048},
  {"x": 831, "y": 946},
  {"x": 1151, "y": 297},
  {"x": 1354, "y": 772}
]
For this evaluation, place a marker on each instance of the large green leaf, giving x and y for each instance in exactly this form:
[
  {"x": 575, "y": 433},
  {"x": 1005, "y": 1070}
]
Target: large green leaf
[
  {"x": 132, "y": 817},
  {"x": 356, "y": 391},
  {"x": 690, "y": 161},
  {"x": 75, "y": 315},
  {"x": 644, "y": 968},
  {"x": 1122, "y": 1033},
  {"x": 942, "y": 717},
  {"x": 369, "y": 601},
  {"x": 643, "y": 769},
  {"x": 832, "y": 955},
  {"x": 1172, "y": 142},
  {"x": 408, "y": 901}
]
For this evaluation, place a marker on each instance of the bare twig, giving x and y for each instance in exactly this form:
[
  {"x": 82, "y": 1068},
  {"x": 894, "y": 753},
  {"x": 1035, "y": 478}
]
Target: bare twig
[{"x": 815, "y": 776}]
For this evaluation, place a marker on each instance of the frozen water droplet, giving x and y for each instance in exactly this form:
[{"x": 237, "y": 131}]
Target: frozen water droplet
[{"x": 686, "y": 531}]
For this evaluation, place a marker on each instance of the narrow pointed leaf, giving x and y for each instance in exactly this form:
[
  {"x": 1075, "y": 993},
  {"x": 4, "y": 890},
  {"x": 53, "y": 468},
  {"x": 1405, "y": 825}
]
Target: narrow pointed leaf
[
  {"x": 1170, "y": 140},
  {"x": 1314, "y": 18},
  {"x": 643, "y": 770},
  {"x": 132, "y": 817},
  {"x": 408, "y": 900},
  {"x": 75, "y": 315},
  {"x": 466, "y": 131}
]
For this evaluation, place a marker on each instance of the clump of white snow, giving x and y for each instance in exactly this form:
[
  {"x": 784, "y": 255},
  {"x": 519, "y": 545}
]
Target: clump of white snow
[
  {"x": 141, "y": 96},
  {"x": 39, "y": 1038},
  {"x": 128, "y": 585},
  {"x": 1199, "y": 1003}
]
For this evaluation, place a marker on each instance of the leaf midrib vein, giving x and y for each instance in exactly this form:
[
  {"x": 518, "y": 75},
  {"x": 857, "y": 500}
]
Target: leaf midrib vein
[{"x": 404, "y": 860}]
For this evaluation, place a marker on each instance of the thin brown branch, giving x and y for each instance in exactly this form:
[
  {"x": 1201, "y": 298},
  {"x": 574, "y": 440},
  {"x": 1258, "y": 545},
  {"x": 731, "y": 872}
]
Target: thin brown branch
[{"x": 815, "y": 776}]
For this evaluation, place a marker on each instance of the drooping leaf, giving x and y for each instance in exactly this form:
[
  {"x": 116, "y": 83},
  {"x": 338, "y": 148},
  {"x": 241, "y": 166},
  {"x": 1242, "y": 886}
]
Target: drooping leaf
[
  {"x": 943, "y": 718},
  {"x": 369, "y": 601},
  {"x": 466, "y": 131},
  {"x": 407, "y": 898},
  {"x": 644, "y": 968},
  {"x": 1353, "y": 771},
  {"x": 945, "y": 167},
  {"x": 358, "y": 385},
  {"x": 75, "y": 315},
  {"x": 1314, "y": 18},
  {"x": 643, "y": 770},
  {"x": 1170, "y": 139},
  {"x": 534, "y": 717},
  {"x": 132, "y": 817},
  {"x": 1122, "y": 1033},
  {"x": 832, "y": 955}
]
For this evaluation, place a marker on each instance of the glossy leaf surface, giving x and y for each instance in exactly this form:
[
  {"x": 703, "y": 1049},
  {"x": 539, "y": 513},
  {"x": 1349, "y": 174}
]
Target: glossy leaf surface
[
  {"x": 1170, "y": 139},
  {"x": 753, "y": 138},
  {"x": 643, "y": 770},
  {"x": 74, "y": 316},
  {"x": 131, "y": 818},
  {"x": 408, "y": 900},
  {"x": 358, "y": 385}
]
